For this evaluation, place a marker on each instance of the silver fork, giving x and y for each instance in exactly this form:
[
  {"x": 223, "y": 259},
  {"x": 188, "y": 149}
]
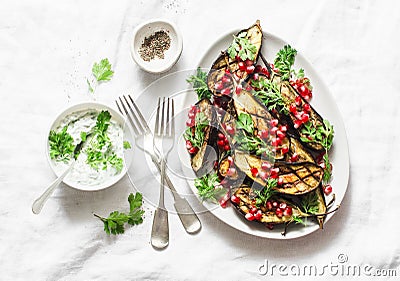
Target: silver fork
[
  {"x": 128, "y": 107},
  {"x": 163, "y": 141}
]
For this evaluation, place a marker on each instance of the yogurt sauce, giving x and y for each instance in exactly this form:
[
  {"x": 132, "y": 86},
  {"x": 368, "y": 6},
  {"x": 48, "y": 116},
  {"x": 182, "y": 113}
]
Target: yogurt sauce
[{"x": 82, "y": 173}]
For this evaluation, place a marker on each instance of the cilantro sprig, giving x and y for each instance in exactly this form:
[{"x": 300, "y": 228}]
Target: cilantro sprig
[
  {"x": 284, "y": 61},
  {"x": 245, "y": 122},
  {"x": 115, "y": 222},
  {"x": 61, "y": 145},
  {"x": 266, "y": 193},
  {"x": 101, "y": 72},
  {"x": 310, "y": 203},
  {"x": 242, "y": 47},
  {"x": 199, "y": 83},
  {"x": 270, "y": 95},
  {"x": 197, "y": 138},
  {"x": 209, "y": 188}
]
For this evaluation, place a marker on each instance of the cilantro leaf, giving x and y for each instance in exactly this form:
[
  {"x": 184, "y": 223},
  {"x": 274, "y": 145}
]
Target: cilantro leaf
[
  {"x": 102, "y": 70},
  {"x": 127, "y": 145},
  {"x": 266, "y": 193},
  {"x": 208, "y": 187},
  {"x": 242, "y": 47},
  {"x": 270, "y": 95},
  {"x": 284, "y": 61},
  {"x": 61, "y": 145},
  {"x": 199, "y": 83},
  {"x": 196, "y": 134},
  {"x": 245, "y": 122},
  {"x": 115, "y": 222}
]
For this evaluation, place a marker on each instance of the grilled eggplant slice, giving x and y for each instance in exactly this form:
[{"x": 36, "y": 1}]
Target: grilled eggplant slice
[
  {"x": 224, "y": 62},
  {"x": 298, "y": 178},
  {"x": 268, "y": 216}
]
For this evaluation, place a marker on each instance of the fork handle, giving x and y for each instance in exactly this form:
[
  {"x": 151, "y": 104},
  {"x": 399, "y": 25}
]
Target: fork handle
[{"x": 188, "y": 217}]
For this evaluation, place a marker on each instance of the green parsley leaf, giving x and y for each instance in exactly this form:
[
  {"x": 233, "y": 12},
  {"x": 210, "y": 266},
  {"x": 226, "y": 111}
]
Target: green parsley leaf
[
  {"x": 208, "y": 187},
  {"x": 102, "y": 70},
  {"x": 253, "y": 144},
  {"x": 115, "y": 222},
  {"x": 284, "y": 61},
  {"x": 242, "y": 47},
  {"x": 245, "y": 122},
  {"x": 310, "y": 203},
  {"x": 266, "y": 193},
  {"x": 199, "y": 83},
  {"x": 197, "y": 137},
  {"x": 297, "y": 220},
  {"x": 270, "y": 95},
  {"x": 61, "y": 145},
  {"x": 127, "y": 145}
]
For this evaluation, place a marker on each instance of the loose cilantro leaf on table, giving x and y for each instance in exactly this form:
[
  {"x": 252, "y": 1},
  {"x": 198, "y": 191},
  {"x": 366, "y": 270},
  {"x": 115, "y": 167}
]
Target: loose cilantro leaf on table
[
  {"x": 102, "y": 72},
  {"x": 199, "y": 83},
  {"x": 61, "y": 145},
  {"x": 242, "y": 47},
  {"x": 115, "y": 222},
  {"x": 208, "y": 187}
]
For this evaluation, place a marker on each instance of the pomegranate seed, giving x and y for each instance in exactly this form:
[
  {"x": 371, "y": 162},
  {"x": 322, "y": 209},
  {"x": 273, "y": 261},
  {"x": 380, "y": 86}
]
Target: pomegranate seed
[
  {"x": 274, "y": 173},
  {"x": 237, "y": 58},
  {"x": 275, "y": 204},
  {"x": 265, "y": 71},
  {"x": 230, "y": 130},
  {"x": 284, "y": 149},
  {"x": 298, "y": 100},
  {"x": 280, "y": 181},
  {"x": 231, "y": 172},
  {"x": 225, "y": 79},
  {"x": 275, "y": 142},
  {"x": 249, "y": 217},
  {"x": 258, "y": 68},
  {"x": 239, "y": 89},
  {"x": 302, "y": 89},
  {"x": 305, "y": 118},
  {"x": 242, "y": 66},
  {"x": 297, "y": 124},
  {"x": 193, "y": 150},
  {"x": 254, "y": 172},
  {"x": 268, "y": 205},
  {"x": 226, "y": 91},
  {"x": 230, "y": 160},
  {"x": 190, "y": 123},
  {"x": 274, "y": 122},
  {"x": 235, "y": 199},
  {"x": 227, "y": 147},
  {"x": 263, "y": 134},
  {"x": 227, "y": 71},
  {"x": 328, "y": 189},
  {"x": 288, "y": 211},
  {"x": 280, "y": 134},
  {"x": 253, "y": 210},
  {"x": 294, "y": 157},
  {"x": 249, "y": 62},
  {"x": 221, "y": 143},
  {"x": 258, "y": 215},
  {"x": 306, "y": 107},
  {"x": 263, "y": 175},
  {"x": 221, "y": 136},
  {"x": 223, "y": 203},
  {"x": 226, "y": 141},
  {"x": 282, "y": 205},
  {"x": 279, "y": 212},
  {"x": 274, "y": 130},
  {"x": 293, "y": 108},
  {"x": 266, "y": 166},
  {"x": 249, "y": 69},
  {"x": 255, "y": 76},
  {"x": 189, "y": 144},
  {"x": 283, "y": 128},
  {"x": 248, "y": 88},
  {"x": 218, "y": 86},
  {"x": 191, "y": 115}
]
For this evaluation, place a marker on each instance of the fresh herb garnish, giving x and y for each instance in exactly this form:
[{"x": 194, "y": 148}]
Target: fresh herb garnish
[
  {"x": 297, "y": 220},
  {"x": 253, "y": 144},
  {"x": 310, "y": 203},
  {"x": 270, "y": 95},
  {"x": 127, "y": 145},
  {"x": 266, "y": 193},
  {"x": 115, "y": 222},
  {"x": 242, "y": 47},
  {"x": 197, "y": 138},
  {"x": 323, "y": 135},
  {"x": 199, "y": 83},
  {"x": 209, "y": 188},
  {"x": 102, "y": 72},
  {"x": 245, "y": 122},
  {"x": 61, "y": 145},
  {"x": 99, "y": 151},
  {"x": 284, "y": 61}
]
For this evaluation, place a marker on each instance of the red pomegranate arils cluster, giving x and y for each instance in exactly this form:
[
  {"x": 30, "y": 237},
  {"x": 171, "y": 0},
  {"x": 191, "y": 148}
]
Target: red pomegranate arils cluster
[
  {"x": 224, "y": 86},
  {"x": 223, "y": 142},
  {"x": 276, "y": 136},
  {"x": 191, "y": 122},
  {"x": 303, "y": 87},
  {"x": 281, "y": 209},
  {"x": 301, "y": 110}
]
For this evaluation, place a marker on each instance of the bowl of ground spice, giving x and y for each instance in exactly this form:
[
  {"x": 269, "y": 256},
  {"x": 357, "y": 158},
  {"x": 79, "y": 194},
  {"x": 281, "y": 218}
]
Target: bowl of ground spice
[{"x": 156, "y": 45}]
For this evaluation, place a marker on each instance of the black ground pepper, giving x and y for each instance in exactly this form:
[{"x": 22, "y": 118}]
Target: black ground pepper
[{"x": 155, "y": 45}]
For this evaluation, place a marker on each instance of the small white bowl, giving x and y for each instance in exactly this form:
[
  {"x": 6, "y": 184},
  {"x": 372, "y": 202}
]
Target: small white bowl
[
  {"x": 59, "y": 167},
  {"x": 171, "y": 55}
]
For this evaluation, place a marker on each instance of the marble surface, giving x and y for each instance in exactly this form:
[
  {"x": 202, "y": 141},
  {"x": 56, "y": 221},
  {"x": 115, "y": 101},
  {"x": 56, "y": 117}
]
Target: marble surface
[{"x": 46, "y": 52}]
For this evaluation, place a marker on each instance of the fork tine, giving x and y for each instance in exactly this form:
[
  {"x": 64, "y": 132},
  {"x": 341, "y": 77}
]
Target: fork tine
[
  {"x": 138, "y": 123},
  {"x": 156, "y": 124},
  {"x": 139, "y": 113},
  {"x": 162, "y": 130},
  {"x": 168, "y": 124},
  {"x": 172, "y": 118},
  {"x": 135, "y": 129}
]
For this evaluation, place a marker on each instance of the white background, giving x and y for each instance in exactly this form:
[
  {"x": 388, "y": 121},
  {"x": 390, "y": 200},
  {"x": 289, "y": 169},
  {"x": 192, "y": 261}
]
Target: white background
[{"x": 47, "y": 49}]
